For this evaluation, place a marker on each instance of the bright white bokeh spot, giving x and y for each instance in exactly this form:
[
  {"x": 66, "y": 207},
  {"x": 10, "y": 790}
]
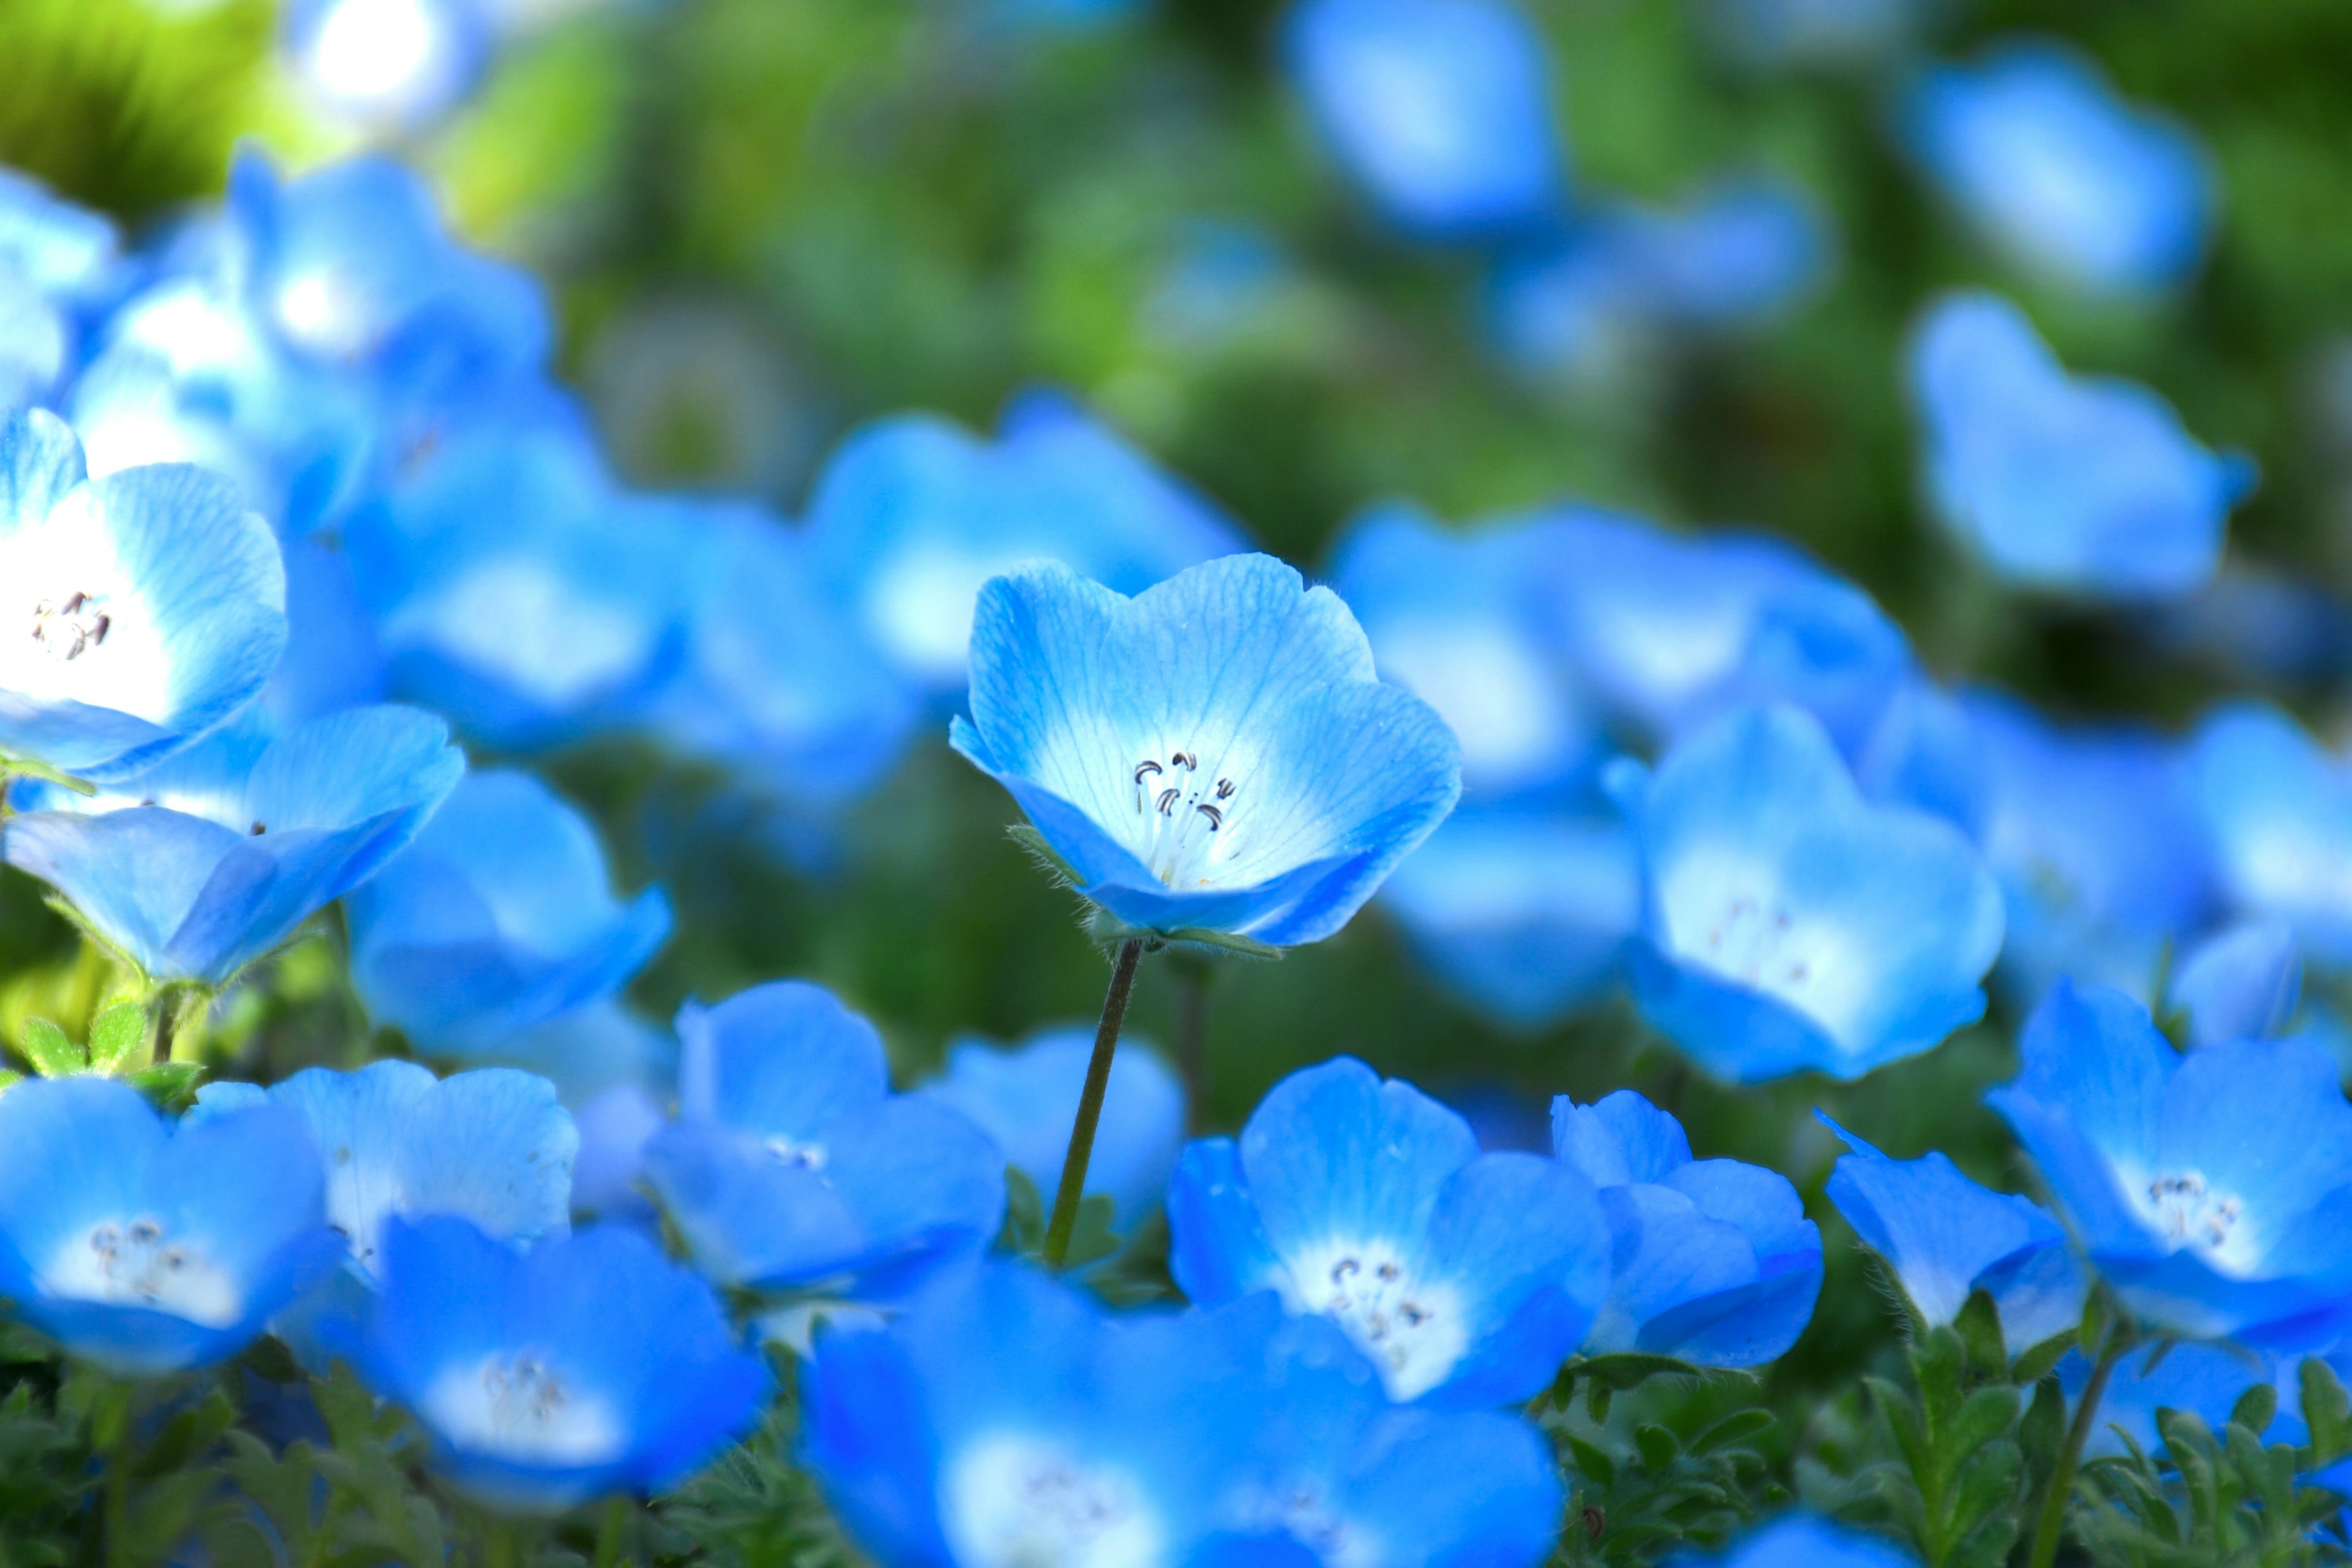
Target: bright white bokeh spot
[{"x": 1014, "y": 1501}]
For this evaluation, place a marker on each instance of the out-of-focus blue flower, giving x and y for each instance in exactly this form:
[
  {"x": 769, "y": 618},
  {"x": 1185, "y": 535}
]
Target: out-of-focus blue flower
[
  {"x": 1791, "y": 924},
  {"x": 146, "y": 1249},
  {"x": 1006, "y": 1419},
  {"x": 58, "y": 263},
  {"x": 1467, "y": 1277},
  {"x": 196, "y": 868},
  {"x": 140, "y": 610},
  {"x": 589, "y": 1364},
  {"x": 500, "y": 918},
  {"x": 2204, "y": 1379},
  {"x": 1945, "y": 1236},
  {"x": 391, "y": 65},
  {"x": 913, "y": 514},
  {"x": 2034, "y": 147},
  {"x": 1225, "y": 279},
  {"x": 1800, "y": 1540},
  {"x": 2278, "y": 810},
  {"x": 2085, "y": 486},
  {"x": 2239, "y": 984},
  {"x": 1672, "y": 631},
  {"x": 2213, "y": 1190},
  {"x": 590, "y": 1050},
  {"x": 1777, "y": 33},
  {"x": 1441, "y": 109},
  {"x": 777, "y": 681},
  {"x": 1712, "y": 1261},
  {"x": 332, "y": 660},
  {"x": 1523, "y": 909},
  {"x": 1923, "y": 751},
  {"x": 614, "y": 1128},
  {"x": 1026, "y": 1099},
  {"x": 792, "y": 1164},
  {"x": 2256, "y": 626},
  {"x": 2094, "y": 837},
  {"x": 1215, "y": 756}
]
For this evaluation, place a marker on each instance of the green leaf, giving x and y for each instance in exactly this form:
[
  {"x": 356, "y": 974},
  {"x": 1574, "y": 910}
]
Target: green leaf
[
  {"x": 1986, "y": 1415},
  {"x": 1978, "y": 1327},
  {"x": 1591, "y": 1462},
  {"x": 1092, "y": 1238},
  {"x": 1025, "y": 1213},
  {"x": 116, "y": 1034},
  {"x": 1733, "y": 1429},
  {"x": 2037, "y": 1363},
  {"x": 172, "y": 1085},
  {"x": 2328, "y": 1412},
  {"x": 44, "y": 1046},
  {"x": 1656, "y": 1446},
  {"x": 2255, "y": 1407}
]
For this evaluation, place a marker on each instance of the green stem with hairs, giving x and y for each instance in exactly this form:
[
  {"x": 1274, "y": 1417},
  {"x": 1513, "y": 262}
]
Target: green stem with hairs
[{"x": 1090, "y": 1103}]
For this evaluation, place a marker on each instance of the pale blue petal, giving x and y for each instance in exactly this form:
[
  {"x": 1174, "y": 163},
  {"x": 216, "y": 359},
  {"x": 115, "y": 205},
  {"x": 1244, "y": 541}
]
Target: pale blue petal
[{"x": 1334, "y": 1153}]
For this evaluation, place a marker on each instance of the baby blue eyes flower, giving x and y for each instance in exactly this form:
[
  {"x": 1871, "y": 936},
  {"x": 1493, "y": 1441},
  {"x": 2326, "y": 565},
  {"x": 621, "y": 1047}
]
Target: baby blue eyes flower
[
  {"x": 58, "y": 263},
  {"x": 1712, "y": 1261},
  {"x": 500, "y": 918},
  {"x": 588, "y": 1365},
  {"x": 1793, "y": 926},
  {"x": 1800, "y": 1540},
  {"x": 199, "y": 867},
  {"x": 1945, "y": 1236},
  {"x": 913, "y": 515},
  {"x": 1441, "y": 109},
  {"x": 1466, "y": 1277},
  {"x": 2279, "y": 811},
  {"x": 396, "y": 65},
  {"x": 1215, "y": 756},
  {"x": 2211, "y": 1189},
  {"x": 1026, "y": 1099},
  {"x": 146, "y": 1249},
  {"x": 137, "y": 611},
  {"x": 792, "y": 1163},
  {"x": 2034, "y": 147},
  {"x": 2239, "y": 984},
  {"x": 2082, "y": 485}
]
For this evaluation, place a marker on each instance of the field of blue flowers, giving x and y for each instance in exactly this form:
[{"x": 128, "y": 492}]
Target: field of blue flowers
[{"x": 1175, "y": 783}]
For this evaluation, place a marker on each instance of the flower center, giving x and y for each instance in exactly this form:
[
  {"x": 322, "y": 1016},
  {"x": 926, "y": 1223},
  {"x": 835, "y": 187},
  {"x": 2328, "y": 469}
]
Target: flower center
[
  {"x": 1017, "y": 1502},
  {"x": 515, "y": 1404},
  {"x": 1751, "y": 942},
  {"x": 1412, "y": 1330},
  {"x": 2189, "y": 1211},
  {"x": 801, "y": 1156},
  {"x": 1185, "y": 812},
  {"x": 70, "y": 626},
  {"x": 138, "y": 1263}
]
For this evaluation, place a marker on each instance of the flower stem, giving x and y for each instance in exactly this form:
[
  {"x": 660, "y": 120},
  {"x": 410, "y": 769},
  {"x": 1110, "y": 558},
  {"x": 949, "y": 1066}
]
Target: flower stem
[
  {"x": 2052, "y": 1526},
  {"x": 609, "y": 1531},
  {"x": 1090, "y": 1102}
]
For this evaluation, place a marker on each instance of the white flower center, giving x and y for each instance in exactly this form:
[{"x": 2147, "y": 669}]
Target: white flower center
[
  {"x": 2189, "y": 1212},
  {"x": 518, "y": 1404},
  {"x": 1755, "y": 943},
  {"x": 1187, "y": 813},
  {"x": 1015, "y": 1501},
  {"x": 71, "y": 625},
  {"x": 1308, "y": 1517},
  {"x": 137, "y": 1263},
  {"x": 1414, "y": 1330}
]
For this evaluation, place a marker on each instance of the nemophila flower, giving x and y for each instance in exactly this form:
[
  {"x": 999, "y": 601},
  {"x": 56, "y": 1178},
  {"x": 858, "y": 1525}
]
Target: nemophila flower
[
  {"x": 587, "y": 1366},
  {"x": 1214, "y": 757},
  {"x": 1792, "y": 925},
  {"x": 2078, "y": 485},
  {"x": 2202, "y": 1380},
  {"x": 499, "y": 917},
  {"x": 913, "y": 514},
  {"x": 791, "y": 1164},
  {"x": 332, "y": 660},
  {"x": 197, "y": 868},
  {"x": 1524, "y": 910},
  {"x": 1026, "y": 1098},
  {"x": 149, "y": 1249},
  {"x": 2239, "y": 984},
  {"x": 1441, "y": 109},
  {"x": 395, "y": 65},
  {"x": 2211, "y": 1189},
  {"x": 57, "y": 264},
  {"x": 1800, "y": 1540},
  {"x": 2035, "y": 149},
  {"x": 2278, "y": 810},
  {"x": 594, "y": 1048},
  {"x": 137, "y": 611},
  {"x": 2092, "y": 833},
  {"x": 614, "y": 1128},
  {"x": 1736, "y": 254},
  {"x": 1465, "y": 622},
  {"x": 1944, "y": 1237},
  {"x": 1712, "y": 1261},
  {"x": 1467, "y": 1277}
]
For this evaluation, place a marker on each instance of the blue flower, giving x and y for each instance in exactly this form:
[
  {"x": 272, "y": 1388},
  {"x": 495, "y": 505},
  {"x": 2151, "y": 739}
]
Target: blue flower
[
  {"x": 1467, "y": 1277},
  {"x": 396, "y": 65},
  {"x": 1215, "y": 756},
  {"x": 2213, "y": 1190},
  {"x": 138, "y": 611},
  {"x": 57, "y": 264},
  {"x": 1712, "y": 1261},
  {"x": 792, "y": 1164},
  {"x": 1775, "y": 33},
  {"x": 145, "y": 1249},
  {"x": 589, "y": 1364},
  {"x": 1791, "y": 924},
  {"x": 498, "y": 919},
  {"x": 332, "y": 661},
  {"x": 1441, "y": 109},
  {"x": 1944, "y": 1236},
  {"x": 2032, "y": 145},
  {"x": 2202, "y": 1380},
  {"x": 197, "y": 868},
  {"x": 1738, "y": 253},
  {"x": 1800, "y": 1540},
  {"x": 2239, "y": 984},
  {"x": 2085, "y": 486},
  {"x": 1026, "y": 1099},
  {"x": 913, "y": 515},
  {"x": 2279, "y": 813}
]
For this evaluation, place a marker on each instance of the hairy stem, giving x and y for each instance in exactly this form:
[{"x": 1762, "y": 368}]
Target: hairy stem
[
  {"x": 2052, "y": 1526},
  {"x": 1090, "y": 1102}
]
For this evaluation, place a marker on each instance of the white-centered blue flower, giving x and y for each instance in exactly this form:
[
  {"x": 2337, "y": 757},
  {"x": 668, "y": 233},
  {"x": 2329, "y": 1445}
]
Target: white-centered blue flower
[
  {"x": 57, "y": 264},
  {"x": 2277, "y": 808},
  {"x": 137, "y": 611},
  {"x": 389, "y": 65},
  {"x": 1791, "y": 925},
  {"x": 1215, "y": 755}
]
